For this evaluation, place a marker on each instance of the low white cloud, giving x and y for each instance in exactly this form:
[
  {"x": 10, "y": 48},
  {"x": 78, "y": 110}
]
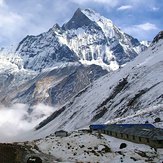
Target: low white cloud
[
  {"x": 140, "y": 3},
  {"x": 125, "y": 7},
  {"x": 2, "y": 2},
  {"x": 155, "y": 8},
  {"x": 15, "y": 24},
  {"x": 18, "y": 119},
  {"x": 140, "y": 28},
  {"x": 10, "y": 19},
  {"x": 109, "y": 3},
  {"x": 141, "y": 31},
  {"x": 146, "y": 26},
  {"x": 10, "y": 23}
]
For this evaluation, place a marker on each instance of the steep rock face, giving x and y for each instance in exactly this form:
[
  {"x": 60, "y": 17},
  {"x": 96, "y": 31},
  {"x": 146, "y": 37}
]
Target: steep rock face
[
  {"x": 158, "y": 37},
  {"x": 88, "y": 36},
  {"x": 78, "y": 20},
  {"x": 79, "y": 78},
  {"x": 44, "y": 50},
  {"x": 55, "y": 87},
  {"x": 134, "y": 92},
  {"x": 12, "y": 75}
]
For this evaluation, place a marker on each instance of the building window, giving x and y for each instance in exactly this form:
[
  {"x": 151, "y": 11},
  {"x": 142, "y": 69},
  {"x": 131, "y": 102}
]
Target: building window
[
  {"x": 115, "y": 134},
  {"x": 147, "y": 140},
  {"x": 127, "y": 136},
  {"x": 121, "y": 135},
  {"x": 133, "y": 137},
  {"x": 140, "y": 139},
  {"x": 159, "y": 142}
]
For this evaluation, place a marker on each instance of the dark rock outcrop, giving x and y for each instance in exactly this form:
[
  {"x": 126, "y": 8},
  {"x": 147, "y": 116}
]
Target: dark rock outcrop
[{"x": 158, "y": 37}]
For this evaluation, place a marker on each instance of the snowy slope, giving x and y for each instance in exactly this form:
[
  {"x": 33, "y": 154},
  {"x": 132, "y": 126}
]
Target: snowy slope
[
  {"x": 87, "y": 147},
  {"x": 146, "y": 43},
  {"x": 55, "y": 86},
  {"x": 44, "y": 51},
  {"x": 12, "y": 73},
  {"x": 126, "y": 92}
]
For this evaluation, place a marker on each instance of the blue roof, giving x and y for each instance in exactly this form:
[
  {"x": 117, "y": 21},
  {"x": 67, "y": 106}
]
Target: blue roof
[
  {"x": 136, "y": 125},
  {"x": 98, "y": 126},
  {"x": 103, "y": 126}
]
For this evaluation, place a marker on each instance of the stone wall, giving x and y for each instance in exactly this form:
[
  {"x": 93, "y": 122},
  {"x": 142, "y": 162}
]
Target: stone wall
[{"x": 135, "y": 139}]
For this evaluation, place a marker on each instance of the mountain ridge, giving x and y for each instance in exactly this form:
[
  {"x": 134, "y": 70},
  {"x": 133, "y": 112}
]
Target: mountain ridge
[
  {"x": 128, "y": 95},
  {"x": 87, "y": 36}
]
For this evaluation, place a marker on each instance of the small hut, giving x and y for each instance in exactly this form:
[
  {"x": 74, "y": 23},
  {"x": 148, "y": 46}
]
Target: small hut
[{"x": 61, "y": 133}]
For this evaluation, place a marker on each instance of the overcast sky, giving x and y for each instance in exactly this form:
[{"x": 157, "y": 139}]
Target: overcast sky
[{"x": 18, "y": 18}]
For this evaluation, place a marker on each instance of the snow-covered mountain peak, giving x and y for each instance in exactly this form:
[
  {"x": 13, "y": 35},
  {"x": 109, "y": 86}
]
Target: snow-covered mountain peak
[
  {"x": 9, "y": 60},
  {"x": 78, "y": 20},
  {"x": 105, "y": 24},
  {"x": 88, "y": 11},
  {"x": 56, "y": 27},
  {"x": 87, "y": 36},
  {"x": 87, "y": 17},
  {"x": 145, "y": 43},
  {"x": 96, "y": 17}
]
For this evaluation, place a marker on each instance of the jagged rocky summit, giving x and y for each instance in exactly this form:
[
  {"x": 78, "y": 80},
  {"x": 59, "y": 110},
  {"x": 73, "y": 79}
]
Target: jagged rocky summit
[{"x": 87, "y": 37}]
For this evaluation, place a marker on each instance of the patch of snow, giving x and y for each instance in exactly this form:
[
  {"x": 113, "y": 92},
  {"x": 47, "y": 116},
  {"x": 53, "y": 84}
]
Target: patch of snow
[
  {"x": 146, "y": 43},
  {"x": 95, "y": 147}
]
